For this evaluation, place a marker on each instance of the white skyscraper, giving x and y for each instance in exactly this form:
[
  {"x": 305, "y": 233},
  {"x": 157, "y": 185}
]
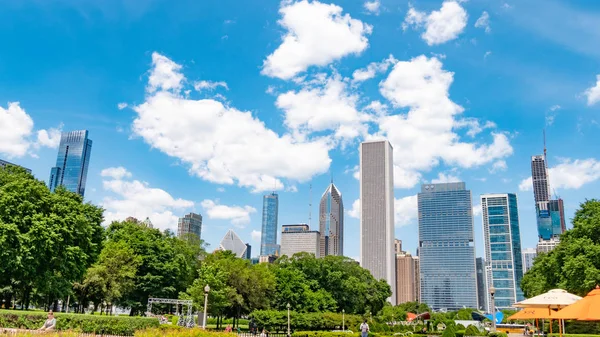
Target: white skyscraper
[
  {"x": 529, "y": 254},
  {"x": 377, "y": 212},
  {"x": 299, "y": 238}
]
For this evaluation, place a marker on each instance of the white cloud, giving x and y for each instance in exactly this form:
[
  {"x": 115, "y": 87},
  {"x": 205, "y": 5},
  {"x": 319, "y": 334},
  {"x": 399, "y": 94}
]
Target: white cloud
[
  {"x": 373, "y": 6},
  {"x": 551, "y": 114},
  {"x": 202, "y": 85},
  {"x": 220, "y": 189},
  {"x": 239, "y": 216},
  {"x": 440, "y": 26},
  {"x": 122, "y": 105},
  {"x": 138, "y": 199},
  {"x": 405, "y": 210},
  {"x": 355, "y": 210},
  {"x": 372, "y": 69},
  {"x": 473, "y": 126},
  {"x": 49, "y": 138},
  {"x": 317, "y": 34},
  {"x": 115, "y": 173},
  {"x": 425, "y": 135},
  {"x": 499, "y": 165},
  {"x": 593, "y": 93},
  {"x": 220, "y": 143},
  {"x": 569, "y": 174},
  {"x": 256, "y": 235},
  {"x": 445, "y": 178},
  {"x": 477, "y": 210},
  {"x": 484, "y": 22},
  {"x": 487, "y": 54}
]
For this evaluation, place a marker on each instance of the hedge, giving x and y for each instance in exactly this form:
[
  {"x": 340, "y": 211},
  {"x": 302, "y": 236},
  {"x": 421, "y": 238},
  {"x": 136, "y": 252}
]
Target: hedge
[
  {"x": 195, "y": 332},
  {"x": 105, "y": 325}
]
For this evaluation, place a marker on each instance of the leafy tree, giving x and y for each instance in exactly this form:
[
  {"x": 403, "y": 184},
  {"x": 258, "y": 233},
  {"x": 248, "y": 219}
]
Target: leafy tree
[
  {"x": 574, "y": 265},
  {"x": 414, "y": 307}
]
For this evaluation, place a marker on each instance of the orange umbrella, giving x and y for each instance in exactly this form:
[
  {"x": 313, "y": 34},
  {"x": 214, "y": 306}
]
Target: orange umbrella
[
  {"x": 586, "y": 309},
  {"x": 533, "y": 313}
]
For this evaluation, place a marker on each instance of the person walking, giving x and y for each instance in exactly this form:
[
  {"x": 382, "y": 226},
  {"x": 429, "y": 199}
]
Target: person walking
[
  {"x": 364, "y": 329},
  {"x": 50, "y": 323}
]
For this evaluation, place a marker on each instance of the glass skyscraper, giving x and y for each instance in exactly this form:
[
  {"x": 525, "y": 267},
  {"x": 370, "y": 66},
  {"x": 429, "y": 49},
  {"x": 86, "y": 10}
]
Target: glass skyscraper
[
  {"x": 550, "y": 214},
  {"x": 446, "y": 248},
  {"x": 189, "y": 224},
  {"x": 268, "y": 240},
  {"x": 72, "y": 162},
  {"x": 502, "y": 237},
  {"x": 331, "y": 222}
]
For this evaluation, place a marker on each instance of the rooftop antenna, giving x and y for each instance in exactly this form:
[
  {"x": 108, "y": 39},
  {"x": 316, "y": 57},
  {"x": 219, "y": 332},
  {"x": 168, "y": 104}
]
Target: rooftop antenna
[
  {"x": 546, "y": 167},
  {"x": 309, "y": 204},
  {"x": 545, "y": 146}
]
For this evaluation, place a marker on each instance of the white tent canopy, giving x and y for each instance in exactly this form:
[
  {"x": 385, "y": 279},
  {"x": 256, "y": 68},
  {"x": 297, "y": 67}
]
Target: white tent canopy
[{"x": 555, "y": 299}]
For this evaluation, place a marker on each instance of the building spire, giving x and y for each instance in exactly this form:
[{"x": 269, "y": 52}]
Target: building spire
[{"x": 309, "y": 204}]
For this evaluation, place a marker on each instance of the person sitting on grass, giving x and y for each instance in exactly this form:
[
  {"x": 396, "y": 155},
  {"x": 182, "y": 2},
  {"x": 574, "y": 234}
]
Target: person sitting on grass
[{"x": 50, "y": 323}]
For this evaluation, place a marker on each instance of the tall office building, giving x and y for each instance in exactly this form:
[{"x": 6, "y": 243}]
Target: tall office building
[
  {"x": 406, "y": 288},
  {"x": 503, "y": 247},
  {"x": 539, "y": 177},
  {"x": 481, "y": 282},
  {"x": 550, "y": 214},
  {"x": 446, "y": 247},
  {"x": 72, "y": 162},
  {"x": 299, "y": 238},
  {"x": 529, "y": 255},
  {"x": 377, "y": 212},
  {"x": 234, "y": 244},
  {"x": 248, "y": 252},
  {"x": 4, "y": 163},
  {"x": 268, "y": 240},
  {"x": 189, "y": 224},
  {"x": 331, "y": 222},
  {"x": 545, "y": 246}
]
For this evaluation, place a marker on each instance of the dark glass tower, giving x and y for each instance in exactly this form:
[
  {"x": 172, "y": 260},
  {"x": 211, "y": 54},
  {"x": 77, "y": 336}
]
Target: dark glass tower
[{"x": 72, "y": 162}]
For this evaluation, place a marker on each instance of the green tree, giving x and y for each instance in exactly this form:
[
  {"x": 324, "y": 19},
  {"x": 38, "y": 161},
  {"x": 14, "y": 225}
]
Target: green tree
[{"x": 574, "y": 265}]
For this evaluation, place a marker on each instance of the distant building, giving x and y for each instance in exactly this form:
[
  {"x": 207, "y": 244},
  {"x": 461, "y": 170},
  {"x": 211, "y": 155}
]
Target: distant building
[
  {"x": 331, "y": 222},
  {"x": 398, "y": 246},
  {"x": 72, "y": 162},
  {"x": 268, "y": 241},
  {"x": 502, "y": 240},
  {"x": 299, "y": 238},
  {"x": 417, "y": 279},
  {"x": 4, "y": 163},
  {"x": 529, "y": 255},
  {"x": 545, "y": 246},
  {"x": 446, "y": 247},
  {"x": 132, "y": 219},
  {"x": 267, "y": 259},
  {"x": 406, "y": 288},
  {"x": 148, "y": 223},
  {"x": 232, "y": 242},
  {"x": 377, "y": 212},
  {"x": 481, "y": 284},
  {"x": 248, "y": 252},
  {"x": 190, "y": 224}
]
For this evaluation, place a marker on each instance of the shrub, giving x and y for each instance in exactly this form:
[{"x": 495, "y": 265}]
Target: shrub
[
  {"x": 460, "y": 327},
  {"x": 472, "y": 331},
  {"x": 327, "y": 334},
  {"x": 196, "y": 332},
  {"x": 274, "y": 320},
  {"x": 105, "y": 325},
  {"x": 497, "y": 334},
  {"x": 449, "y": 331}
]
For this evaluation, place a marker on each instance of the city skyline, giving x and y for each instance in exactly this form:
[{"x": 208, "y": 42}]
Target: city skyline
[{"x": 182, "y": 122}]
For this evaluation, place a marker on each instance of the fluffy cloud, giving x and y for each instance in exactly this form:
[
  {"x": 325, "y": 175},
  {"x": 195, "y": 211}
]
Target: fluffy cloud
[
  {"x": 405, "y": 210},
  {"x": 49, "y": 138},
  {"x": 498, "y": 166},
  {"x": 440, "y": 26},
  {"x": 569, "y": 174},
  {"x": 593, "y": 93},
  {"x": 220, "y": 143},
  {"x": 427, "y": 134},
  {"x": 373, "y": 6},
  {"x": 122, "y": 105},
  {"x": 138, "y": 199},
  {"x": 256, "y": 235},
  {"x": 239, "y": 216},
  {"x": 355, "y": 210},
  {"x": 477, "y": 210},
  {"x": 484, "y": 22},
  {"x": 203, "y": 85},
  {"x": 372, "y": 69},
  {"x": 445, "y": 178},
  {"x": 317, "y": 34}
]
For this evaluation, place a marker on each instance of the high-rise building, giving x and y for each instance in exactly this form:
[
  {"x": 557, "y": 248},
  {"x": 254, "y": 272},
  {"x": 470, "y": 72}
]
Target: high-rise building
[
  {"x": 529, "y": 255},
  {"x": 398, "y": 246},
  {"x": 4, "y": 163},
  {"x": 331, "y": 222},
  {"x": 417, "y": 279},
  {"x": 502, "y": 239},
  {"x": 189, "y": 224},
  {"x": 446, "y": 247},
  {"x": 299, "y": 238},
  {"x": 377, "y": 212},
  {"x": 72, "y": 162},
  {"x": 550, "y": 214},
  {"x": 406, "y": 289},
  {"x": 539, "y": 177},
  {"x": 545, "y": 246},
  {"x": 248, "y": 252},
  {"x": 234, "y": 244},
  {"x": 481, "y": 282},
  {"x": 268, "y": 240}
]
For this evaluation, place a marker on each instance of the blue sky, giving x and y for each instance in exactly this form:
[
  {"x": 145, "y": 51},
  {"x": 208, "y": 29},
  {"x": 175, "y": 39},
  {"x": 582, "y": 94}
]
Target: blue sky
[{"x": 206, "y": 105}]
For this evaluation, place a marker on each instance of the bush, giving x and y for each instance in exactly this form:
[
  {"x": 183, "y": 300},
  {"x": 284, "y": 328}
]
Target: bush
[
  {"x": 315, "y": 321},
  {"x": 105, "y": 325},
  {"x": 327, "y": 334},
  {"x": 497, "y": 334},
  {"x": 449, "y": 331},
  {"x": 472, "y": 331},
  {"x": 183, "y": 332}
]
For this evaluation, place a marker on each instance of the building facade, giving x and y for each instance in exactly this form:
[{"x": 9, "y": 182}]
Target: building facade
[
  {"x": 190, "y": 224},
  {"x": 232, "y": 242},
  {"x": 248, "y": 252},
  {"x": 481, "y": 284},
  {"x": 550, "y": 213},
  {"x": 406, "y": 287},
  {"x": 539, "y": 177},
  {"x": 446, "y": 246},
  {"x": 299, "y": 238},
  {"x": 72, "y": 162},
  {"x": 331, "y": 222},
  {"x": 502, "y": 239},
  {"x": 268, "y": 240},
  {"x": 417, "y": 279},
  {"x": 377, "y": 212},
  {"x": 4, "y": 163},
  {"x": 545, "y": 246},
  {"x": 529, "y": 255}
]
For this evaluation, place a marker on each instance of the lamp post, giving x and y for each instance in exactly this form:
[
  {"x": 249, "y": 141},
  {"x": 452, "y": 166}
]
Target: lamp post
[
  {"x": 288, "y": 308},
  {"x": 206, "y": 290},
  {"x": 493, "y": 308},
  {"x": 343, "y": 320}
]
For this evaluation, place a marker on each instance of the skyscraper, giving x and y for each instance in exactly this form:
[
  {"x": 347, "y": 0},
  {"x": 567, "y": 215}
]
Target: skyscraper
[
  {"x": 331, "y": 222},
  {"x": 377, "y": 211},
  {"x": 446, "y": 247},
  {"x": 539, "y": 177},
  {"x": 406, "y": 289},
  {"x": 529, "y": 255},
  {"x": 481, "y": 282},
  {"x": 268, "y": 240},
  {"x": 4, "y": 163},
  {"x": 72, "y": 162},
  {"x": 550, "y": 214},
  {"x": 234, "y": 244},
  {"x": 190, "y": 224},
  {"x": 503, "y": 247},
  {"x": 299, "y": 238}
]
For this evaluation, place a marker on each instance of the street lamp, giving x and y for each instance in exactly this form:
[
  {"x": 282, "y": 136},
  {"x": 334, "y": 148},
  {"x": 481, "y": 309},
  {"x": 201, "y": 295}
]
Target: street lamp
[
  {"x": 493, "y": 307},
  {"x": 288, "y": 308},
  {"x": 206, "y": 290},
  {"x": 343, "y": 320}
]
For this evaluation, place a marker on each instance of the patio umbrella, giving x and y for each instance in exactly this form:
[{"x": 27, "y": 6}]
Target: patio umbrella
[
  {"x": 554, "y": 299},
  {"x": 534, "y": 313},
  {"x": 587, "y": 309}
]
